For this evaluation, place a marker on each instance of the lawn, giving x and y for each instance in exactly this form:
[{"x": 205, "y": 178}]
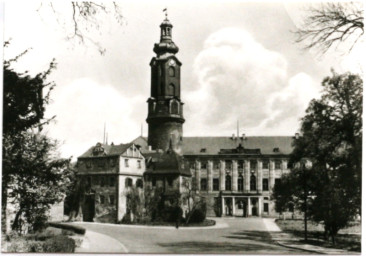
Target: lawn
[{"x": 347, "y": 239}]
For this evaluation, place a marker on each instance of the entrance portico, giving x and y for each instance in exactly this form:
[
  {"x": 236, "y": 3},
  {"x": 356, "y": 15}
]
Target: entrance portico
[{"x": 241, "y": 205}]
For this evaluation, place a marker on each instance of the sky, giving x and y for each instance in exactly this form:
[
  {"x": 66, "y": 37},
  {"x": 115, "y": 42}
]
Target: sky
[{"x": 240, "y": 63}]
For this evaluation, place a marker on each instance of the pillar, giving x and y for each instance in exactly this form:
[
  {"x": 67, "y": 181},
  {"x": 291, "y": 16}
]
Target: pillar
[
  {"x": 259, "y": 176},
  {"x": 222, "y": 175},
  {"x": 198, "y": 175},
  {"x": 209, "y": 175},
  {"x": 271, "y": 174},
  {"x": 260, "y": 202},
  {"x": 233, "y": 205},
  {"x": 246, "y": 175},
  {"x": 249, "y": 207},
  {"x": 223, "y": 206},
  {"x": 234, "y": 180}
]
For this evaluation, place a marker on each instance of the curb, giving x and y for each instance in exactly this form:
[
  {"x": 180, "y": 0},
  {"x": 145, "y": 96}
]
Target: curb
[{"x": 216, "y": 226}]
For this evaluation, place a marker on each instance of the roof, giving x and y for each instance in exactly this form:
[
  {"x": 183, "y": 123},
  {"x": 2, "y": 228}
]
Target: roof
[
  {"x": 168, "y": 162},
  {"x": 213, "y": 145},
  {"x": 108, "y": 150}
]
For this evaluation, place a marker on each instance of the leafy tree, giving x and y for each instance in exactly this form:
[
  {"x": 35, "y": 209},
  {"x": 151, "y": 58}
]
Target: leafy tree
[
  {"x": 331, "y": 24},
  {"x": 194, "y": 201},
  {"x": 33, "y": 176},
  {"x": 332, "y": 139}
]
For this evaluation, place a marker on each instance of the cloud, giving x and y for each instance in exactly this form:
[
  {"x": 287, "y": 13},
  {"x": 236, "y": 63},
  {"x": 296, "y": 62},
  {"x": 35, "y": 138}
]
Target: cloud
[
  {"x": 83, "y": 106},
  {"x": 239, "y": 79}
]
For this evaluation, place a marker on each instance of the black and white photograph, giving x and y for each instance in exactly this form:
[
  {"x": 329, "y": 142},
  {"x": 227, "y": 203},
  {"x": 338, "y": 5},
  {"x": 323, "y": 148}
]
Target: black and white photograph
[{"x": 182, "y": 127}]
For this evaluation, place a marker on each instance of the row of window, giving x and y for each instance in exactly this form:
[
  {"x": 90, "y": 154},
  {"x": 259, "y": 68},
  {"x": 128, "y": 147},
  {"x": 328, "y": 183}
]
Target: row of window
[
  {"x": 228, "y": 183},
  {"x": 228, "y": 164},
  {"x": 102, "y": 162},
  {"x": 102, "y": 181},
  {"x": 111, "y": 181},
  {"x": 127, "y": 163}
]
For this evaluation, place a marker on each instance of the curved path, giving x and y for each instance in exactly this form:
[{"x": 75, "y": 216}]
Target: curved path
[{"x": 234, "y": 235}]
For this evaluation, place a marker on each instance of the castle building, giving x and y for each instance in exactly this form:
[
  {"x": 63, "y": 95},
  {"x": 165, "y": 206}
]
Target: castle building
[
  {"x": 235, "y": 174},
  {"x": 107, "y": 173}
]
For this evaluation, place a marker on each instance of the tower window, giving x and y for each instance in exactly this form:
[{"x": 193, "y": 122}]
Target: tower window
[
  {"x": 171, "y": 71},
  {"x": 174, "y": 108},
  {"x": 171, "y": 89}
]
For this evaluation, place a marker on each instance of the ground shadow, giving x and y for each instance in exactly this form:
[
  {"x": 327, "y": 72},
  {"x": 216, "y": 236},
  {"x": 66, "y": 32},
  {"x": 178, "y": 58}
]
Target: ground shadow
[
  {"x": 205, "y": 247},
  {"x": 259, "y": 236}
]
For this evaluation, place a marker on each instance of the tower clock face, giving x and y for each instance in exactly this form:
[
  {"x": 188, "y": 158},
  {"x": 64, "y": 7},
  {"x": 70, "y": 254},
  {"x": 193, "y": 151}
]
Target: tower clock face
[{"x": 171, "y": 62}]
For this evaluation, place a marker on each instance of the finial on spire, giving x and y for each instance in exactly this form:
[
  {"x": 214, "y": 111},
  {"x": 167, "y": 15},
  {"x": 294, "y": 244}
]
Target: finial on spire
[{"x": 166, "y": 12}]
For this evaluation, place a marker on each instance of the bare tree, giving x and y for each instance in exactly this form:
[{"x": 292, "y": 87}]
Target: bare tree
[
  {"x": 86, "y": 17},
  {"x": 331, "y": 24}
]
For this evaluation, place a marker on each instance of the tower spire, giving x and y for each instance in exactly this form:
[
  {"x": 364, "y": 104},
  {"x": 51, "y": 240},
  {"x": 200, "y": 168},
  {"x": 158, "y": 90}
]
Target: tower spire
[{"x": 166, "y": 12}]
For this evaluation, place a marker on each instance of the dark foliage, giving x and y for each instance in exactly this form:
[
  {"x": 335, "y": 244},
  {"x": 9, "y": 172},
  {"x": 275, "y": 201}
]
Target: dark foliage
[
  {"x": 198, "y": 214},
  {"x": 332, "y": 140},
  {"x": 33, "y": 176},
  {"x": 60, "y": 243}
]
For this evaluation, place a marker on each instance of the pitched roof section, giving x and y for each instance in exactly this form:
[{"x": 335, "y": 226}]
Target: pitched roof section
[
  {"x": 213, "y": 145},
  {"x": 168, "y": 163},
  {"x": 109, "y": 150}
]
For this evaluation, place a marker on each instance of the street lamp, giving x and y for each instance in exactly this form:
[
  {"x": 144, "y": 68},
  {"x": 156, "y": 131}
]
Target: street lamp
[{"x": 306, "y": 165}]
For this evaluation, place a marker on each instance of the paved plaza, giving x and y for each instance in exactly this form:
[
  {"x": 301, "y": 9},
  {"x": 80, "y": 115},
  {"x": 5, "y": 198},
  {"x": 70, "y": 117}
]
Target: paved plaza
[{"x": 231, "y": 235}]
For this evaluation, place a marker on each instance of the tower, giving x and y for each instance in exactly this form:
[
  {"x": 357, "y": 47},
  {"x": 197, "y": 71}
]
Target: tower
[{"x": 165, "y": 109}]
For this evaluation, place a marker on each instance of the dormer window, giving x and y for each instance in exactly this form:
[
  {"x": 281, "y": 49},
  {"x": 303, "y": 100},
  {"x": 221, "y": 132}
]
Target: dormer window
[
  {"x": 276, "y": 150},
  {"x": 203, "y": 150}
]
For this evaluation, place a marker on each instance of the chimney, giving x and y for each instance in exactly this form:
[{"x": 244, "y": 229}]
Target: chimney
[
  {"x": 243, "y": 136},
  {"x": 233, "y": 137},
  {"x": 297, "y": 135}
]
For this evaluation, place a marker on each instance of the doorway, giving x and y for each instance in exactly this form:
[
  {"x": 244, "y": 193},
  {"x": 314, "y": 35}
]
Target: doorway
[{"x": 254, "y": 203}]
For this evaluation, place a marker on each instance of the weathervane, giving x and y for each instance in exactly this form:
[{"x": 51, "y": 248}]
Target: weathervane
[{"x": 166, "y": 12}]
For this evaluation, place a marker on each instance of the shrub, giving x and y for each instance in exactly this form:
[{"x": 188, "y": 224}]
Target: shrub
[
  {"x": 199, "y": 214},
  {"x": 22, "y": 245},
  {"x": 35, "y": 246},
  {"x": 59, "y": 244}
]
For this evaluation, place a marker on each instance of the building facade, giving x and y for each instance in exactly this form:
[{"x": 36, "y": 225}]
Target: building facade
[
  {"x": 235, "y": 174},
  {"x": 108, "y": 172}
]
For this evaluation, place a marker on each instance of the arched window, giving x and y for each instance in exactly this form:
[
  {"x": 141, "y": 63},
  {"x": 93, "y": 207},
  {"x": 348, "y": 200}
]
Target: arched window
[
  {"x": 240, "y": 183},
  {"x": 174, "y": 108},
  {"x": 171, "y": 89},
  {"x": 139, "y": 183},
  {"x": 128, "y": 182},
  {"x": 228, "y": 182},
  {"x": 253, "y": 183},
  {"x": 171, "y": 71}
]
